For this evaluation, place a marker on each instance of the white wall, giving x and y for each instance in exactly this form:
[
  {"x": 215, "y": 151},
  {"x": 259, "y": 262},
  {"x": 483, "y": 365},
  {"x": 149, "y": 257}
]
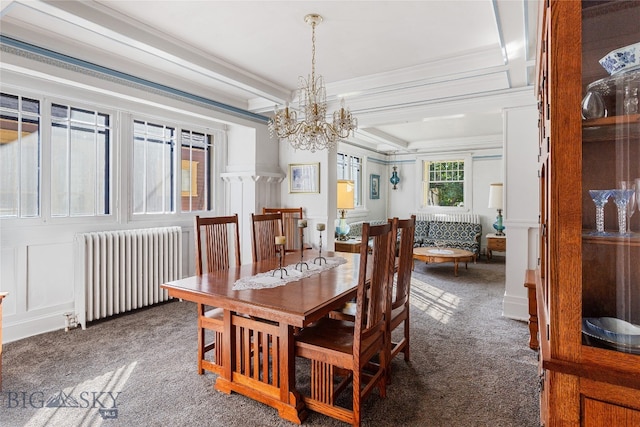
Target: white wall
[
  {"x": 522, "y": 205},
  {"x": 376, "y": 165},
  {"x": 317, "y": 207}
]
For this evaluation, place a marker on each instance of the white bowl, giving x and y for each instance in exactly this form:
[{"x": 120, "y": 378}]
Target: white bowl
[
  {"x": 614, "y": 330},
  {"x": 623, "y": 59}
]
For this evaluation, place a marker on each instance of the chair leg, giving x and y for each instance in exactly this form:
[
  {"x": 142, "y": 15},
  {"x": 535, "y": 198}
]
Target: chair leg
[
  {"x": 357, "y": 417},
  {"x": 387, "y": 351},
  {"x": 384, "y": 365},
  {"x": 405, "y": 350},
  {"x": 200, "y": 309},
  {"x": 200, "y": 349}
]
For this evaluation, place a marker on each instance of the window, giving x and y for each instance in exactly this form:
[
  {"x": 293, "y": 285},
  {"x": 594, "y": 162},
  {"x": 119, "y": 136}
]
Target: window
[
  {"x": 80, "y": 162},
  {"x": 196, "y": 164},
  {"x": 350, "y": 167},
  {"x": 171, "y": 168},
  {"x": 443, "y": 183},
  {"x": 154, "y": 168},
  {"x": 20, "y": 154}
]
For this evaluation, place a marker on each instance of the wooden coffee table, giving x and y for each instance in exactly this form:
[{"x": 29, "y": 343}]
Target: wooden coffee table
[{"x": 439, "y": 255}]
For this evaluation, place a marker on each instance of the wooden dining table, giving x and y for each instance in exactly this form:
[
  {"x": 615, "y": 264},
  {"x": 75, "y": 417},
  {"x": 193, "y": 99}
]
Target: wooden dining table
[{"x": 258, "y": 348}]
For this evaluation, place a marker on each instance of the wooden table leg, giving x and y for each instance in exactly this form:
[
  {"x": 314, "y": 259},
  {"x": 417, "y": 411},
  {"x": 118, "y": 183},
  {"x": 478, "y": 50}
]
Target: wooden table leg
[
  {"x": 224, "y": 379},
  {"x": 253, "y": 349},
  {"x": 295, "y": 411}
]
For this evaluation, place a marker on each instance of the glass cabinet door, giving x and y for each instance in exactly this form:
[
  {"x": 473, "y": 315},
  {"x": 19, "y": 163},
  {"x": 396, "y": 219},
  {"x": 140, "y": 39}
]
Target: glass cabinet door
[{"x": 611, "y": 176}]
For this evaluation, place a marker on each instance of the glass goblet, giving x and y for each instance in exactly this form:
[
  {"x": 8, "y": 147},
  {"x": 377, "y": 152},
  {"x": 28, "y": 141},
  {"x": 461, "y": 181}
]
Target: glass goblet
[
  {"x": 600, "y": 198},
  {"x": 621, "y": 199},
  {"x": 631, "y": 206}
]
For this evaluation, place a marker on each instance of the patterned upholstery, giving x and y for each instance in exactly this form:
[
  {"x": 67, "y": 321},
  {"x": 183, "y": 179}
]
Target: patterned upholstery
[
  {"x": 355, "y": 231},
  {"x": 422, "y": 230},
  {"x": 459, "y": 235}
]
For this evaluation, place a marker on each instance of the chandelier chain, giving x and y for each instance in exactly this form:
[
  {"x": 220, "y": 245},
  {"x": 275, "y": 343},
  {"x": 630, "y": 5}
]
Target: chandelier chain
[{"x": 313, "y": 54}]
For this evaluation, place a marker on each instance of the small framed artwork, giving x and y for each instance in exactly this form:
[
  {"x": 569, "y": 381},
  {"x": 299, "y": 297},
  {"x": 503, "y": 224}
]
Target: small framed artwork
[
  {"x": 374, "y": 186},
  {"x": 304, "y": 178}
]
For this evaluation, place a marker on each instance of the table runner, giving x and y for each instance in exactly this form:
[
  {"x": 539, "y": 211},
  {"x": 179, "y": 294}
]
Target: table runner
[{"x": 270, "y": 280}]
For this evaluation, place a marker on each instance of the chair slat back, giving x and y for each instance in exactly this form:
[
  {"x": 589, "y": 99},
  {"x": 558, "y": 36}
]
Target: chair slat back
[
  {"x": 264, "y": 230},
  {"x": 290, "y": 217},
  {"x": 214, "y": 237},
  {"x": 371, "y": 303},
  {"x": 406, "y": 229}
]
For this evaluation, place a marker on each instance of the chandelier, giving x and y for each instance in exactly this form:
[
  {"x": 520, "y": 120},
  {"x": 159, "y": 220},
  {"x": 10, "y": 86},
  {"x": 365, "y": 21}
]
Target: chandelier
[{"x": 313, "y": 132}]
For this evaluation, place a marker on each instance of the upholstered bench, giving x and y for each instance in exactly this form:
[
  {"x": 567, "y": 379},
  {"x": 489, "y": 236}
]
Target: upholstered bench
[{"x": 459, "y": 235}]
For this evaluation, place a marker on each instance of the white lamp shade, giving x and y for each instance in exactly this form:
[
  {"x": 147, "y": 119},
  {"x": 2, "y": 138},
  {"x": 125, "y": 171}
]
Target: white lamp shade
[
  {"x": 345, "y": 194},
  {"x": 495, "y": 196}
]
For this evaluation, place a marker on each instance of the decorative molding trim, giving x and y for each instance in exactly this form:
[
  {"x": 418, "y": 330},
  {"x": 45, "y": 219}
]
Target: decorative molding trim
[
  {"x": 253, "y": 176},
  {"x": 34, "y": 325},
  {"x": 45, "y": 56}
]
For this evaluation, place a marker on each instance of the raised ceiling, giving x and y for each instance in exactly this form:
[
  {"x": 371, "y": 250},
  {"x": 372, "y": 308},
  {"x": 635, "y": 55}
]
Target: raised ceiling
[{"x": 419, "y": 75}]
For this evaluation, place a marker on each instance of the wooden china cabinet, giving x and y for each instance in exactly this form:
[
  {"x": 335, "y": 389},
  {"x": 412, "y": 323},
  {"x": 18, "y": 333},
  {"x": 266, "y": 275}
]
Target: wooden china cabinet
[{"x": 588, "y": 280}]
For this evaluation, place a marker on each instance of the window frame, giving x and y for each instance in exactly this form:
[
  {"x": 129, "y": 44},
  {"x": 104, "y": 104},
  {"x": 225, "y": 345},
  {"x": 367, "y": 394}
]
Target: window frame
[
  {"x": 39, "y": 155},
  {"x": 120, "y": 163},
  {"x": 467, "y": 185},
  {"x": 110, "y": 191},
  {"x": 114, "y": 154},
  {"x": 209, "y": 172},
  {"x": 46, "y": 101},
  {"x": 359, "y": 199},
  {"x": 179, "y": 122},
  {"x": 174, "y": 180}
]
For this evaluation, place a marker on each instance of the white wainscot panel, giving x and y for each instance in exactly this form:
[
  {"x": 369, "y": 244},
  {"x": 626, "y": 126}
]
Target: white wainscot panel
[
  {"x": 9, "y": 280},
  {"x": 50, "y": 275}
]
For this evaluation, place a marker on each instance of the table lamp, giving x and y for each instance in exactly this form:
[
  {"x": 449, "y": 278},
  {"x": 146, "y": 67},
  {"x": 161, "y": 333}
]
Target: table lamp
[
  {"x": 495, "y": 202},
  {"x": 345, "y": 201}
]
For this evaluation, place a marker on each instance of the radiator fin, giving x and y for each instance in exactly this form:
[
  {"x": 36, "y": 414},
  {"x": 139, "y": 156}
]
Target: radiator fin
[
  {"x": 449, "y": 217},
  {"x": 122, "y": 270}
]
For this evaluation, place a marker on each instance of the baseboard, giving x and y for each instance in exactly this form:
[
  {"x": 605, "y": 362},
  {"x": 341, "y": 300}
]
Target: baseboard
[
  {"x": 14, "y": 331},
  {"x": 516, "y": 308}
]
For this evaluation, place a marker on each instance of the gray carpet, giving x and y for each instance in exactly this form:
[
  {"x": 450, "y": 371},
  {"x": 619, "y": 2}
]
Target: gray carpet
[{"x": 469, "y": 367}]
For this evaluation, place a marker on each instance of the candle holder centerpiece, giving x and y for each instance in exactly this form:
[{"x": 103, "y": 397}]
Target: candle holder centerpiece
[
  {"x": 320, "y": 227},
  {"x": 280, "y": 242},
  {"x": 302, "y": 224}
]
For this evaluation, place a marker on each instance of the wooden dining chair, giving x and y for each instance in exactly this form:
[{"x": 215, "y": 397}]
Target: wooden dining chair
[
  {"x": 340, "y": 350},
  {"x": 398, "y": 307},
  {"x": 214, "y": 238},
  {"x": 264, "y": 229},
  {"x": 290, "y": 217}
]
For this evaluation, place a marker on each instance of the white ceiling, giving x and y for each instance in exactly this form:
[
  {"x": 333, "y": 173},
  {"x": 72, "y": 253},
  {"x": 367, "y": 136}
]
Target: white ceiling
[{"x": 418, "y": 75}]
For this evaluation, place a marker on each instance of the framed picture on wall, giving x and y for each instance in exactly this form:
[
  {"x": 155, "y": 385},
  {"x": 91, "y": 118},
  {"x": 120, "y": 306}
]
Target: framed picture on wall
[
  {"x": 374, "y": 186},
  {"x": 304, "y": 178}
]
